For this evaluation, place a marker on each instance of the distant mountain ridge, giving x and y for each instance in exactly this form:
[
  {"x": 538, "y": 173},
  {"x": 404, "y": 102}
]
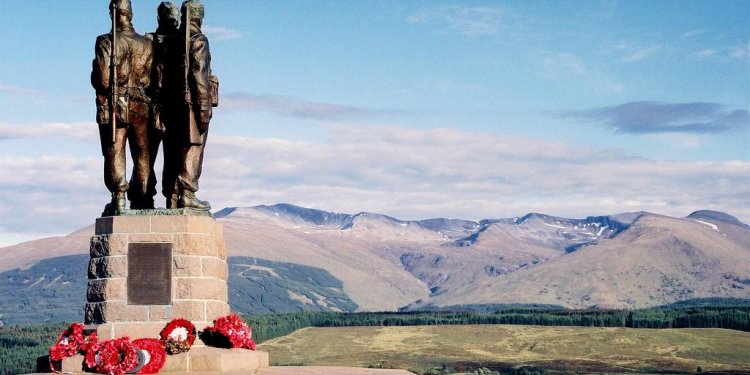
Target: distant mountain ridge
[{"x": 374, "y": 262}]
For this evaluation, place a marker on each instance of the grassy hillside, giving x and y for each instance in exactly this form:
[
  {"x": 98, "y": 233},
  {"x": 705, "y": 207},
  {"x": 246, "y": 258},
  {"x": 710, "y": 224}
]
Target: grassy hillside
[
  {"x": 54, "y": 290},
  {"x": 428, "y": 348},
  {"x": 262, "y": 286}
]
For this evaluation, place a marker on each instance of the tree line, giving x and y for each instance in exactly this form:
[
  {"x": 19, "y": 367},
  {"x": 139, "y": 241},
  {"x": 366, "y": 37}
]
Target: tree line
[
  {"x": 268, "y": 326},
  {"x": 21, "y": 345}
]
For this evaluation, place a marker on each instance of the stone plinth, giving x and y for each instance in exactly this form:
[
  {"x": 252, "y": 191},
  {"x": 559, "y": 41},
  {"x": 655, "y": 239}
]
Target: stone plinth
[
  {"x": 151, "y": 266},
  {"x": 192, "y": 253},
  {"x": 198, "y": 359}
]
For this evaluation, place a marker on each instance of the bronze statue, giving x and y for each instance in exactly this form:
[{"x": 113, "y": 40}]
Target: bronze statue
[
  {"x": 166, "y": 87},
  {"x": 121, "y": 75},
  {"x": 200, "y": 93},
  {"x": 151, "y": 90}
]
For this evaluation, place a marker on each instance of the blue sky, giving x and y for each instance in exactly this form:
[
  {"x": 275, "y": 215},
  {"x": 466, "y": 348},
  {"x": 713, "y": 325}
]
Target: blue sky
[{"x": 415, "y": 109}]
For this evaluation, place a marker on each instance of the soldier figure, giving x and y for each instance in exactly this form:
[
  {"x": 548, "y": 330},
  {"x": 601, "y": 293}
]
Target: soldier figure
[
  {"x": 166, "y": 100},
  {"x": 200, "y": 93},
  {"x": 120, "y": 76}
]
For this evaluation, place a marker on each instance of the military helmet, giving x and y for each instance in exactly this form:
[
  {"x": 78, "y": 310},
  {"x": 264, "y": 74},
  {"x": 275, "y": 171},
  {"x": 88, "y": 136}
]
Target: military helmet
[
  {"x": 168, "y": 11},
  {"x": 121, "y": 5},
  {"x": 193, "y": 9}
]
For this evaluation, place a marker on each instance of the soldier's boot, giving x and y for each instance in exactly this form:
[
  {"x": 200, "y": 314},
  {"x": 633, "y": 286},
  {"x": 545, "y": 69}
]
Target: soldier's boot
[
  {"x": 173, "y": 201},
  {"x": 118, "y": 201},
  {"x": 142, "y": 203},
  {"x": 188, "y": 200},
  {"x": 116, "y": 205}
]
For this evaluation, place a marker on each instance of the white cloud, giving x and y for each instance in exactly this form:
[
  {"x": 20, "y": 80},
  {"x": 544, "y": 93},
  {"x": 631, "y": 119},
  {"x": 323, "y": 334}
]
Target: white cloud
[
  {"x": 406, "y": 173},
  {"x": 643, "y": 53},
  {"x": 741, "y": 53},
  {"x": 221, "y": 33},
  {"x": 19, "y": 90},
  {"x": 568, "y": 66},
  {"x": 693, "y": 33},
  {"x": 77, "y": 130},
  {"x": 466, "y": 20},
  {"x": 708, "y": 52},
  {"x": 290, "y": 107},
  {"x": 49, "y": 194},
  {"x": 441, "y": 172}
]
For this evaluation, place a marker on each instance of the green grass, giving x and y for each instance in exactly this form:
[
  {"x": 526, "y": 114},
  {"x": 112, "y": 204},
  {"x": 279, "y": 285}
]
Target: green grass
[
  {"x": 503, "y": 347},
  {"x": 21, "y": 345}
]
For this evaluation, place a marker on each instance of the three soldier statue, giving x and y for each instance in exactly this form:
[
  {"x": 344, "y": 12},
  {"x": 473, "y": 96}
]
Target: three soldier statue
[{"x": 151, "y": 90}]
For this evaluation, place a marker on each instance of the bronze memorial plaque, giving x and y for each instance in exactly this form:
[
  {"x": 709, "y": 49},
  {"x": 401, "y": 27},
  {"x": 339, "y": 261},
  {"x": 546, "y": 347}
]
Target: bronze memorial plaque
[{"x": 150, "y": 274}]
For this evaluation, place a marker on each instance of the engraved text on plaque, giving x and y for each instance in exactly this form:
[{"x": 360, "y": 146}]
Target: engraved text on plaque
[{"x": 149, "y": 274}]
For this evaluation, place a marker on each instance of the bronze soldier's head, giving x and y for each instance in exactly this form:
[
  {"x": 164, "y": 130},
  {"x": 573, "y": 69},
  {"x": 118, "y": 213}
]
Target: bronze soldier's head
[
  {"x": 192, "y": 10},
  {"x": 123, "y": 7},
  {"x": 168, "y": 14}
]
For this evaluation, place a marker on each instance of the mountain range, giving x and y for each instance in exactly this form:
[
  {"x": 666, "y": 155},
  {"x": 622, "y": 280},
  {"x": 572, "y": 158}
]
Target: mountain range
[{"x": 289, "y": 258}]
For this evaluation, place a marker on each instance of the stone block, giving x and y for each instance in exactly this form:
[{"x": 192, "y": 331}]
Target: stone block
[
  {"x": 186, "y": 266},
  {"x": 176, "y": 363},
  {"x": 108, "y": 267},
  {"x": 160, "y": 313},
  {"x": 216, "y": 309},
  {"x": 226, "y": 360},
  {"x": 214, "y": 267},
  {"x": 103, "y": 312},
  {"x": 200, "y": 288},
  {"x": 100, "y": 290},
  {"x": 194, "y": 311},
  {"x": 221, "y": 248},
  {"x": 139, "y": 330},
  {"x": 201, "y": 224},
  {"x": 104, "y": 331},
  {"x": 169, "y": 224},
  {"x": 150, "y": 237},
  {"x": 194, "y": 244},
  {"x": 103, "y": 225},
  {"x": 123, "y": 224},
  {"x": 219, "y": 230},
  {"x": 108, "y": 245},
  {"x": 183, "y": 224},
  {"x": 72, "y": 364},
  {"x": 92, "y": 313}
]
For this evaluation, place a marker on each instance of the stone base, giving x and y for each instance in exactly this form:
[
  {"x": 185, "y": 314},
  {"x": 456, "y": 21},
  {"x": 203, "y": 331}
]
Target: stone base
[
  {"x": 198, "y": 359},
  {"x": 197, "y": 263},
  {"x": 208, "y": 359},
  {"x": 135, "y": 330}
]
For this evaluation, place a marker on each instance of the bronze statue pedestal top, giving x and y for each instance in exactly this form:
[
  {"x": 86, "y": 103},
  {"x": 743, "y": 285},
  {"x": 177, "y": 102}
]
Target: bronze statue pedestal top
[{"x": 159, "y": 212}]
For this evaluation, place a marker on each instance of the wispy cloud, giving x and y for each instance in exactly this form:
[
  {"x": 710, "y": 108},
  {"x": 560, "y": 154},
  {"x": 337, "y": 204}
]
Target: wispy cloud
[
  {"x": 466, "y": 20},
  {"x": 643, "y": 53},
  {"x": 654, "y": 117},
  {"x": 19, "y": 90},
  {"x": 78, "y": 130},
  {"x": 741, "y": 53},
  {"x": 221, "y": 33},
  {"x": 564, "y": 65},
  {"x": 705, "y": 53},
  {"x": 49, "y": 194},
  {"x": 406, "y": 173},
  {"x": 693, "y": 33},
  {"x": 290, "y": 107},
  {"x": 442, "y": 172}
]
